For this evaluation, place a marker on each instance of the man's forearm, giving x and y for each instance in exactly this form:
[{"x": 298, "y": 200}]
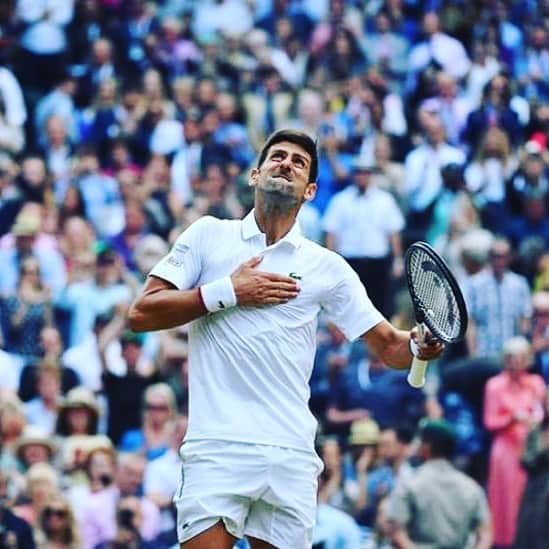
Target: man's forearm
[
  {"x": 391, "y": 345},
  {"x": 164, "y": 309}
]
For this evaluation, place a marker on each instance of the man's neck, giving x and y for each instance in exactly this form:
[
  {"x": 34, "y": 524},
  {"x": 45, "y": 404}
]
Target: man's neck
[{"x": 275, "y": 224}]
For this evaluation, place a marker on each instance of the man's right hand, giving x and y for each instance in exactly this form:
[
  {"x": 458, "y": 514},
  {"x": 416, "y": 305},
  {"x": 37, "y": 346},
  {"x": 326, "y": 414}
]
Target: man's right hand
[{"x": 253, "y": 287}]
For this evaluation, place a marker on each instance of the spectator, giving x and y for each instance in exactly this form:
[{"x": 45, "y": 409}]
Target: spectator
[
  {"x": 540, "y": 333},
  {"x": 533, "y": 519},
  {"x": 57, "y": 526},
  {"x": 439, "y": 48},
  {"x": 51, "y": 348},
  {"x": 88, "y": 298},
  {"x": 43, "y": 42},
  {"x": 12, "y": 424},
  {"x": 58, "y": 102},
  {"x": 423, "y": 176},
  {"x": 334, "y": 528},
  {"x": 77, "y": 424},
  {"x": 14, "y": 113},
  {"x": 152, "y": 440},
  {"x": 42, "y": 410},
  {"x": 439, "y": 505},
  {"x": 451, "y": 108},
  {"x": 486, "y": 178},
  {"x": 531, "y": 177},
  {"x": 161, "y": 479},
  {"x": 351, "y": 215},
  {"x": 34, "y": 446},
  {"x": 387, "y": 50},
  {"x": 124, "y": 392},
  {"x": 495, "y": 110},
  {"x": 499, "y": 304},
  {"x": 26, "y": 239},
  {"x": 12, "y": 526},
  {"x": 379, "y": 474},
  {"x": 129, "y": 520},
  {"x": 26, "y": 313},
  {"x": 98, "y": 524},
  {"x": 100, "y": 468},
  {"x": 42, "y": 487},
  {"x": 368, "y": 387},
  {"x": 513, "y": 403}
]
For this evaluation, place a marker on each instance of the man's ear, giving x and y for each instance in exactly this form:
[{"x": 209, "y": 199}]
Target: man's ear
[
  {"x": 254, "y": 174},
  {"x": 310, "y": 191}
]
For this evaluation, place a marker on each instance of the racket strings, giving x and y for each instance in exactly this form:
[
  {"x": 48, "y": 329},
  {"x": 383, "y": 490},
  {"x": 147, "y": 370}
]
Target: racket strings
[{"x": 435, "y": 296}]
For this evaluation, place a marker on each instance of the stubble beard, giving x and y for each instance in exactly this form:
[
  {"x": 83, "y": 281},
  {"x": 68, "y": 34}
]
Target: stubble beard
[{"x": 278, "y": 197}]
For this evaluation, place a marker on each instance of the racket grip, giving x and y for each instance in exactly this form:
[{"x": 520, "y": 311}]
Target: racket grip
[{"x": 416, "y": 375}]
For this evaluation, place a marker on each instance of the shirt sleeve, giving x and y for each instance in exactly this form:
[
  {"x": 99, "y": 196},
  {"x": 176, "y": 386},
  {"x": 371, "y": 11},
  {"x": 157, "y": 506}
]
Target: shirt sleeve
[
  {"x": 399, "y": 508},
  {"x": 183, "y": 264},
  {"x": 347, "y": 304}
]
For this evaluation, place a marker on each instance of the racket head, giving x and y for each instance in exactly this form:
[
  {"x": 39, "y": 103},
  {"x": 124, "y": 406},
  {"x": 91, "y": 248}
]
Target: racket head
[{"x": 436, "y": 296}]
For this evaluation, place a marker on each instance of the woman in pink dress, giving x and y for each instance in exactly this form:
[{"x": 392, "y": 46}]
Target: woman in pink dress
[{"x": 514, "y": 401}]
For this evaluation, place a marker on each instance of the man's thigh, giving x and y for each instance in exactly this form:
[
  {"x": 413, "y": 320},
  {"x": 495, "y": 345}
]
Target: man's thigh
[
  {"x": 219, "y": 482},
  {"x": 215, "y": 537},
  {"x": 285, "y": 514}
]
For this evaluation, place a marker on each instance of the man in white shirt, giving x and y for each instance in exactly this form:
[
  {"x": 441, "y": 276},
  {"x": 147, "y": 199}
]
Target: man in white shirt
[
  {"x": 363, "y": 224},
  {"x": 424, "y": 181},
  {"x": 252, "y": 291}
]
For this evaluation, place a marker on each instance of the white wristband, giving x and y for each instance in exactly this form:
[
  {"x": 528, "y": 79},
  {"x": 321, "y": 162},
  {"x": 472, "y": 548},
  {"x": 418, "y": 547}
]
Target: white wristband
[
  {"x": 218, "y": 295},
  {"x": 414, "y": 347}
]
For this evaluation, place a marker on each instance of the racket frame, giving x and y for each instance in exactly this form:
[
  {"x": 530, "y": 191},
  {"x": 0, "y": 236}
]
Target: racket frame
[{"x": 416, "y": 375}]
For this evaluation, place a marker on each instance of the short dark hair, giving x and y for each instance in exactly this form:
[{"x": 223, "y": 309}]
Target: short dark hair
[
  {"x": 440, "y": 436},
  {"x": 297, "y": 137}
]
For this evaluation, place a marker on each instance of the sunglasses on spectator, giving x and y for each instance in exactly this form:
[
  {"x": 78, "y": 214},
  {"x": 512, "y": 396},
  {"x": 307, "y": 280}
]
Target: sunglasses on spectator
[
  {"x": 51, "y": 512},
  {"x": 156, "y": 407}
]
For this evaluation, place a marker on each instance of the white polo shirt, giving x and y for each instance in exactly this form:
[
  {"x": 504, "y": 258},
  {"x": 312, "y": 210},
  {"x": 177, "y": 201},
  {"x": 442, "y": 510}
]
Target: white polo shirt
[
  {"x": 363, "y": 223},
  {"x": 249, "y": 367}
]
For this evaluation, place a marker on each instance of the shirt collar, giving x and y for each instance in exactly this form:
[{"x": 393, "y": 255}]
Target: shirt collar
[{"x": 250, "y": 229}]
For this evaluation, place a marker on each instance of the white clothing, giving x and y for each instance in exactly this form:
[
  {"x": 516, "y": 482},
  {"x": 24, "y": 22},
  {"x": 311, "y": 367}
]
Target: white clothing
[
  {"x": 37, "y": 414},
  {"x": 335, "y": 529},
  {"x": 422, "y": 168},
  {"x": 445, "y": 50},
  {"x": 84, "y": 359},
  {"x": 162, "y": 477},
  {"x": 363, "y": 223},
  {"x": 267, "y": 492},
  {"x": 228, "y": 17},
  {"x": 487, "y": 179},
  {"x": 12, "y": 97},
  {"x": 45, "y": 34},
  {"x": 167, "y": 137},
  {"x": 10, "y": 370},
  {"x": 250, "y": 366},
  {"x": 180, "y": 176}
]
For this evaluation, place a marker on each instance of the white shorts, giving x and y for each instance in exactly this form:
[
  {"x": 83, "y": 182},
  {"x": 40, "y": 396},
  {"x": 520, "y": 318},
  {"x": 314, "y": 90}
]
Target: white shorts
[{"x": 266, "y": 492}]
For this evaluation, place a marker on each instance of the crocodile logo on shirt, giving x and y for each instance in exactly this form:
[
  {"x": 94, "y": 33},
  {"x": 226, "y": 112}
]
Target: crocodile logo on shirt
[{"x": 295, "y": 276}]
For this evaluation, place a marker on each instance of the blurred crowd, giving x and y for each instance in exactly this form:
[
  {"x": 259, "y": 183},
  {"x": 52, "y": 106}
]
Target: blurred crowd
[{"x": 123, "y": 121}]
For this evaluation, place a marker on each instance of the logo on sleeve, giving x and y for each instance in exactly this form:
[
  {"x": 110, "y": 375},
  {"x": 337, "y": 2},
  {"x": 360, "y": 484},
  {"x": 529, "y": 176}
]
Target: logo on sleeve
[
  {"x": 177, "y": 254},
  {"x": 295, "y": 276}
]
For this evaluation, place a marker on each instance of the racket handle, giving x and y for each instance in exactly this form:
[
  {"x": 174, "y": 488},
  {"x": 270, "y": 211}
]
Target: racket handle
[{"x": 416, "y": 375}]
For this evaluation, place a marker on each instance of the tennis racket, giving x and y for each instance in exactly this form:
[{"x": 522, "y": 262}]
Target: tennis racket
[{"x": 437, "y": 300}]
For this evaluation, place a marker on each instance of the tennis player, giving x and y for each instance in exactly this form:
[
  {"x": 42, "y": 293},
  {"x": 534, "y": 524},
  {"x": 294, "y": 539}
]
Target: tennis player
[{"x": 252, "y": 291}]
